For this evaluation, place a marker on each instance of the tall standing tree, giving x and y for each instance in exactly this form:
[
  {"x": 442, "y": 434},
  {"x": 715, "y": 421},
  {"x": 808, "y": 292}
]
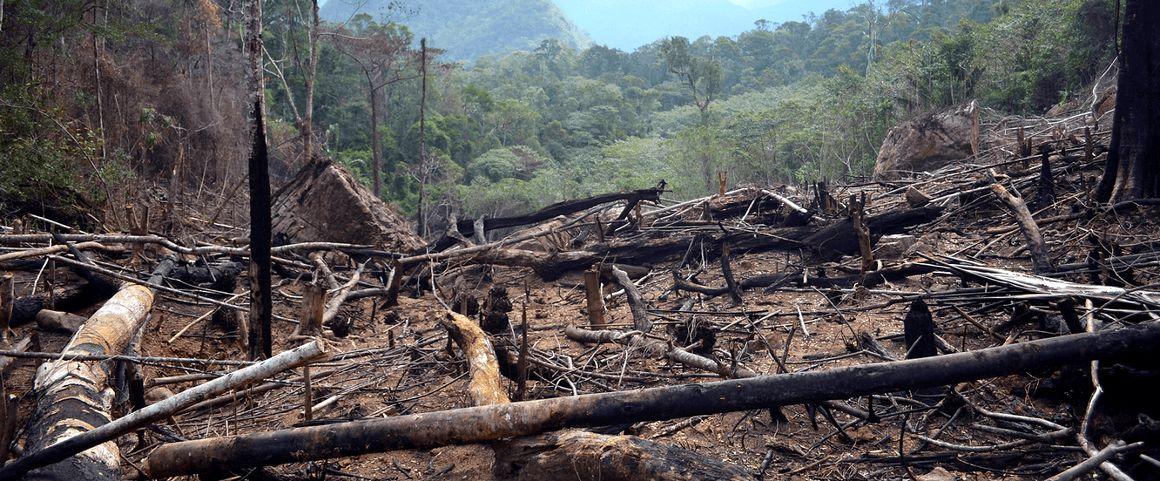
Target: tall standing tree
[
  {"x": 307, "y": 129},
  {"x": 259, "y": 337},
  {"x": 704, "y": 78},
  {"x": 1133, "y": 166},
  {"x": 382, "y": 53}
]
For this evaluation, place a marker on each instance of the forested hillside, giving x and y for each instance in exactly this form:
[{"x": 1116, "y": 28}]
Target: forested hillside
[
  {"x": 469, "y": 29},
  {"x": 788, "y": 102}
]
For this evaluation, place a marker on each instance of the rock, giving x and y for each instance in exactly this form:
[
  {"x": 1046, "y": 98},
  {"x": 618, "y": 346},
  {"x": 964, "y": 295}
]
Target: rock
[
  {"x": 324, "y": 202},
  {"x": 916, "y": 198},
  {"x": 894, "y": 246},
  {"x": 157, "y": 394},
  {"x": 937, "y": 474},
  {"x": 929, "y": 142}
]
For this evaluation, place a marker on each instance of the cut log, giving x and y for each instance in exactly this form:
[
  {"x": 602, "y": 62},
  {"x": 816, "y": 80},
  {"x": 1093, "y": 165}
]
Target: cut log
[
  {"x": 1040, "y": 255},
  {"x": 49, "y": 320},
  {"x": 490, "y": 423},
  {"x": 97, "y": 437},
  {"x": 313, "y": 306},
  {"x": 486, "y": 386},
  {"x": 73, "y": 396},
  {"x": 595, "y": 298},
  {"x": 580, "y": 455},
  {"x": 324, "y": 202},
  {"x": 71, "y": 298}
]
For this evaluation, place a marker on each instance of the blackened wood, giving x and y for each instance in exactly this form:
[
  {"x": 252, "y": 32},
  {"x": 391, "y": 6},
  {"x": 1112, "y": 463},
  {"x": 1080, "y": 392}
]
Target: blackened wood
[
  {"x": 918, "y": 330},
  {"x": 727, "y": 272},
  {"x": 219, "y": 277},
  {"x": 857, "y": 207},
  {"x": 839, "y": 238},
  {"x": 1132, "y": 170},
  {"x": 1070, "y": 316},
  {"x": 7, "y": 298},
  {"x": 489, "y": 423},
  {"x": 1045, "y": 187},
  {"x": 261, "y": 308}
]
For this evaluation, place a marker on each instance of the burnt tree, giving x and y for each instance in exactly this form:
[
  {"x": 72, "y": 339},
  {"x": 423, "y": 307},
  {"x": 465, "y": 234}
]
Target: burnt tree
[
  {"x": 260, "y": 344},
  {"x": 1133, "y": 166}
]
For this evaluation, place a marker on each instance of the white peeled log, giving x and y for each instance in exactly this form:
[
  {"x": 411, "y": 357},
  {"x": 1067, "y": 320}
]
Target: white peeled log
[
  {"x": 81, "y": 449},
  {"x": 74, "y": 397}
]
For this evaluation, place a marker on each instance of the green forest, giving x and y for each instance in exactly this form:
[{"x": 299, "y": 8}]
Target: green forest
[{"x": 784, "y": 102}]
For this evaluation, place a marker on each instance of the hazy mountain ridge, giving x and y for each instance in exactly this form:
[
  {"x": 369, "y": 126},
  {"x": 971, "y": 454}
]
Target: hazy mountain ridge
[{"x": 469, "y": 29}]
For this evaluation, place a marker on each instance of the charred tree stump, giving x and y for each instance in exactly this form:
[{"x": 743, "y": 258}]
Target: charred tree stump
[
  {"x": 1132, "y": 170},
  {"x": 494, "y": 318},
  {"x": 918, "y": 330},
  {"x": 313, "y": 307},
  {"x": 1045, "y": 187},
  {"x": 260, "y": 337},
  {"x": 727, "y": 273},
  {"x": 7, "y": 297},
  {"x": 857, "y": 208}
]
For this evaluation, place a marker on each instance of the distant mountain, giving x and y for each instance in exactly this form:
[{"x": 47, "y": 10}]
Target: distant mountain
[
  {"x": 469, "y": 29},
  {"x": 628, "y": 24}
]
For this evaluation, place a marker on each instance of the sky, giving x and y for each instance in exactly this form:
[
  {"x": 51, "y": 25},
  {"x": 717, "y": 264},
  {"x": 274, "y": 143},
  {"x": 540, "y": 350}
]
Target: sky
[{"x": 628, "y": 24}]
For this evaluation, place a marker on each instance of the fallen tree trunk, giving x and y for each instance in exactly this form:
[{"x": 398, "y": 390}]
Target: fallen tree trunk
[
  {"x": 834, "y": 239},
  {"x": 490, "y": 423},
  {"x": 73, "y": 397},
  {"x": 485, "y": 386},
  {"x": 466, "y": 227},
  {"x": 64, "y": 447}
]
